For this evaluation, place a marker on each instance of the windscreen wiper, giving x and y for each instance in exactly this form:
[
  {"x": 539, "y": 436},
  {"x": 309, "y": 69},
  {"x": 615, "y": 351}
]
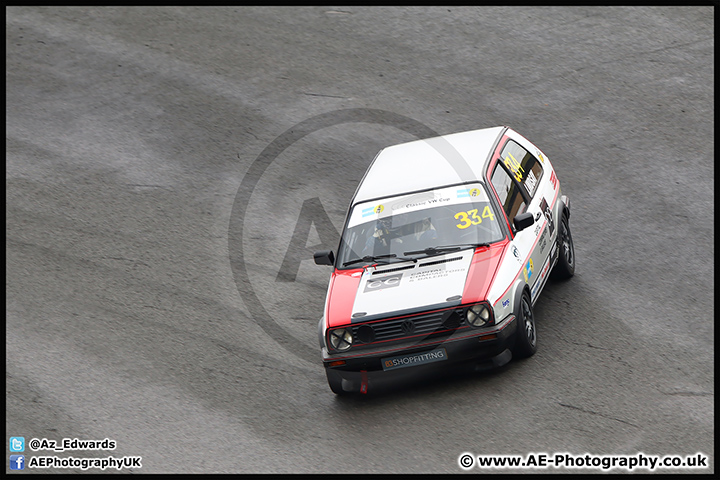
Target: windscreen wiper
[
  {"x": 430, "y": 251},
  {"x": 374, "y": 258}
]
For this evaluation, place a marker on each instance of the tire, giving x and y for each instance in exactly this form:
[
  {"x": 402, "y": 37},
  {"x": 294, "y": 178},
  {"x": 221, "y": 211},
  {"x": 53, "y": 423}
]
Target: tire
[
  {"x": 526, "y": 333},
  {"x": 565, "y": 267}
]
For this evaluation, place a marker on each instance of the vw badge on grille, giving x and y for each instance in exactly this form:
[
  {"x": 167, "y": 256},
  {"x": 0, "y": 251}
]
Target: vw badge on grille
[{"x": 408, "y": 327}]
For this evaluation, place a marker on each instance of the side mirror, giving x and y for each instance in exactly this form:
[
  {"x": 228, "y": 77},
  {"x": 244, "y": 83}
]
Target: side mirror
[
  {"x": 324, "y": 257},
  {"x": 523, "y": 221}
]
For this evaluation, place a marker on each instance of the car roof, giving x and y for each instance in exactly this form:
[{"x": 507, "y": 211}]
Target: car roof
[{"x": 428, "y": 163}]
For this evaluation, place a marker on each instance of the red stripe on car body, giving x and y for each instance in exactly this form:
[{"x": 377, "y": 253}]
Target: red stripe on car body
[
  {"x": 343, "y": 288},
  {"x": 482, "y": 270}
]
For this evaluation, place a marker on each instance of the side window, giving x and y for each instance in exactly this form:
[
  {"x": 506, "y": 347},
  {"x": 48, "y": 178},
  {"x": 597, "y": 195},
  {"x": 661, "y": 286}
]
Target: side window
[
  {"x": 522, "y": 165},
  {"x": 510, "y": 196}
]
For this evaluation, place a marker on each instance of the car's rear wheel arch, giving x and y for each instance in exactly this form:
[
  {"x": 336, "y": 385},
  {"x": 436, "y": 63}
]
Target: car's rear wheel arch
[{"x": 565, "y": 266}]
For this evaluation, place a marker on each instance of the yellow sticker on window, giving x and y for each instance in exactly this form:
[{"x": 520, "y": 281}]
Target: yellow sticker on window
[{"x": 514, "y": 166}]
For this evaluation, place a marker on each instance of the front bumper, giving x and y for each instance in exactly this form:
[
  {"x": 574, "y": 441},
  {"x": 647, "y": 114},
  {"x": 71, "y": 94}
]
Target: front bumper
[{"x": 356, "y": 371}]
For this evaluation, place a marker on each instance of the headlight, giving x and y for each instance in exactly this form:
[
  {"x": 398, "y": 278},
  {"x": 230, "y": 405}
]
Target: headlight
[
  {"x": 478, "y": 315},
  {"x": 341, "y": 339}
]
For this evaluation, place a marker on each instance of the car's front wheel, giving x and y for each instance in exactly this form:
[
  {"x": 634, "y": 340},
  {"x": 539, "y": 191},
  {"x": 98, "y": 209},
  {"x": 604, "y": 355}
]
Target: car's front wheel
[
  {"x": 565, "y": 267},
  {"x": 526, "y": 335}
]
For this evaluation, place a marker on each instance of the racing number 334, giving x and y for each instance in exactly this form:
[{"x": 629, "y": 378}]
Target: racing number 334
[{"x": 471, "y": 217}]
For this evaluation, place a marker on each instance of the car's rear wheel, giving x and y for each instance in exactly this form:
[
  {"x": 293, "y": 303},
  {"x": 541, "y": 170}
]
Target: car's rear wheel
[
  {"x": 526, "y": 335},
  {"x": 565, "y": 267}
]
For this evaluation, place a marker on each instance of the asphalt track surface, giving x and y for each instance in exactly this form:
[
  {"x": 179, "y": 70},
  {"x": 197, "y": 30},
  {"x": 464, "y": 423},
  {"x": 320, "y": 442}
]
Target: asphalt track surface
[{"x": 155, "y": 295}]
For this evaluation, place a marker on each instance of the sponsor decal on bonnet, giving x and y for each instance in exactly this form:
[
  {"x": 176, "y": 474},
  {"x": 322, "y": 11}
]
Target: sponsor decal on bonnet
[
  {"x": 376, "y": 284},
  {"x": 431, "y": 282}
]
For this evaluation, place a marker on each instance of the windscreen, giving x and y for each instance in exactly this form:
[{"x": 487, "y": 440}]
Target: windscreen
[{"x": 393, "y": 226}]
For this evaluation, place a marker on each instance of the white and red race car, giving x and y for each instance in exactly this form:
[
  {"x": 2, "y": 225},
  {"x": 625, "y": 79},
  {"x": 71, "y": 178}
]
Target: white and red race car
[{"x": 447, "y": 244}]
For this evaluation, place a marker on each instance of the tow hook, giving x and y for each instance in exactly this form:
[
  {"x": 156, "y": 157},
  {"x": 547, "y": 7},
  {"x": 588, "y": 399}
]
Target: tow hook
[{"x": 363, "y": 382}]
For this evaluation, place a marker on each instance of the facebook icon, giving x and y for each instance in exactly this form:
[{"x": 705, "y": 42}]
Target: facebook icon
[{"x": 17, "y": 462}]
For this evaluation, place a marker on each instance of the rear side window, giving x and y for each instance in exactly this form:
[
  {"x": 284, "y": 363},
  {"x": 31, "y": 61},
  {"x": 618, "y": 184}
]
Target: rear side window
[
  {"x": 522, "y": 165},
  {"x": 508, "y": 192}
]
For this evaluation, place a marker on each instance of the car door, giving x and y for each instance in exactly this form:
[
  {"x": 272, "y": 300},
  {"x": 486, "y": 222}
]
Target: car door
[{"x": 517, "y": 178}]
